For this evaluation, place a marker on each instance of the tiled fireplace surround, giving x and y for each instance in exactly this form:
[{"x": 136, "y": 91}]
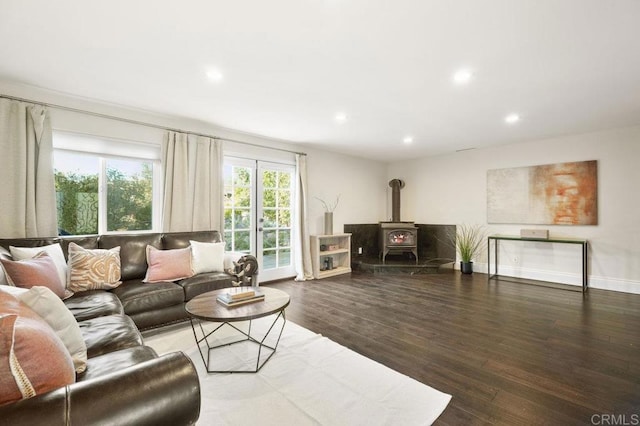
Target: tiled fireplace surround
[{"x": 433, "y": 246}]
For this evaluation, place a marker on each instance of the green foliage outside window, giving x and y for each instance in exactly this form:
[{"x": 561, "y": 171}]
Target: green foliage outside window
[
  {"x": 77, "y": 201},
  {"x": 129, "y": 201}
]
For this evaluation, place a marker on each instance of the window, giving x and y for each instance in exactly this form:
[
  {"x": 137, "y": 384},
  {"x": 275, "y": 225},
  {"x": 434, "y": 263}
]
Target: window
[{"x": 99, "y": 193}]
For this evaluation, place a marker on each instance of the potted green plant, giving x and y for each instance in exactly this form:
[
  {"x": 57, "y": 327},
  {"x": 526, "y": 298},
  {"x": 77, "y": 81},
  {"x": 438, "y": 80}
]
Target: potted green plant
[{"x": 470, "y": 241}]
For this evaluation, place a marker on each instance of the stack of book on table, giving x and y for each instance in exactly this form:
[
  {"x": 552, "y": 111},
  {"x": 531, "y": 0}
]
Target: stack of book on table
[{"x": 235, "y": 297}]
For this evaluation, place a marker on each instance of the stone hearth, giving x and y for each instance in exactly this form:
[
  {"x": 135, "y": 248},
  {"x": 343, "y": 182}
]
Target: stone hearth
[{"x": 433, "y": 250}]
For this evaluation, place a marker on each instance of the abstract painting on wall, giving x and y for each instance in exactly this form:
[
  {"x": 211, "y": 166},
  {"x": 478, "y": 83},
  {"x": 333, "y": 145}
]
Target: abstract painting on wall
[{"x": 553, "y": 194}]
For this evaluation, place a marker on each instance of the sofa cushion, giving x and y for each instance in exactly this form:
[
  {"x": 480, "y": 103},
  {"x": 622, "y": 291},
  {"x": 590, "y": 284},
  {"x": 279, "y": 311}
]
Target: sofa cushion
[
  {"x": 137, "y": 296},
  {"x": 108, "y": 334},
  {"x": 49, "y": 306},
  {"x": 168, "y": 265},
  {"x": 33, "y": 359},
  {"x": 207, "y": 257},
  {"x": 39, "y": 270},
  {"x": 90, "y": 242},
  {"x": 53, "y": 250},
  {"x": 174, "y": 240},
  {"x": 28, "y": 242},
  {"x": 203, "y": 283},
  {"x": 115, "y": 361},
  {"x": 160, "y": 317},
  {"x": 93, "y": 303},
  {"x": 133, "y": 254},
  {"x": 93, "y": 269}
]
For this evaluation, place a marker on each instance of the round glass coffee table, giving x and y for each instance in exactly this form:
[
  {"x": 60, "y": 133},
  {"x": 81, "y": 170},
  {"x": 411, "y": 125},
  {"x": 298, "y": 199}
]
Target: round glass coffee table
[{"x": 205, "y": 309}]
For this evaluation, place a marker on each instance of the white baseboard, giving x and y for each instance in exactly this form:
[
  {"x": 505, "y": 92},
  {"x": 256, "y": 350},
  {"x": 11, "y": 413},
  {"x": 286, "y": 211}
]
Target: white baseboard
[{"x": 603, "y": 283}]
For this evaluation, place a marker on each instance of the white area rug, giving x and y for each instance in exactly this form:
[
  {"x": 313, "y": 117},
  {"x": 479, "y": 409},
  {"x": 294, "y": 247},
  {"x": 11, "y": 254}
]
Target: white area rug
[{"x": 310, "y": 380}]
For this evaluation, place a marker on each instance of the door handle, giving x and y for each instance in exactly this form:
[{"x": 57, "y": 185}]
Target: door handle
[{"x": 260, "y": 229}]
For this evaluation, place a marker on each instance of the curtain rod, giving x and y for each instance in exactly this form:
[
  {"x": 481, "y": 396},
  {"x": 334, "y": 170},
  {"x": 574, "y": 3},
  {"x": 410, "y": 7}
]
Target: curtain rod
[{"x": 143, "y": 123}]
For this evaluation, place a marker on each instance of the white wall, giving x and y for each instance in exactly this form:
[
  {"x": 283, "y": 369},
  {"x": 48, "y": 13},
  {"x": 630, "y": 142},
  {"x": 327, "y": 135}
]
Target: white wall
[
  {"x": 451, "y": 189},
  {"x": 359, "y": 182}
]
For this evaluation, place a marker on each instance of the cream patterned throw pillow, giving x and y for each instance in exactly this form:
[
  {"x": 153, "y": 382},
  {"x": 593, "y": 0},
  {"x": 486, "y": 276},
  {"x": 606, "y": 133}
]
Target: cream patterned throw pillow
[{"x": 93, "y": 269}]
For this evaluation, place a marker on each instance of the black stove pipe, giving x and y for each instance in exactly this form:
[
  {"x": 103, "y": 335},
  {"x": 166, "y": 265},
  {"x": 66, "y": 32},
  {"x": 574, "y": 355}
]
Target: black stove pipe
[{"x": 396, "y": 185}]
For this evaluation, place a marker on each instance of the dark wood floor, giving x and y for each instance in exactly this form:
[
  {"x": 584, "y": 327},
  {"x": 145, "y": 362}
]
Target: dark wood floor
[{"x": 509, "y": 353}]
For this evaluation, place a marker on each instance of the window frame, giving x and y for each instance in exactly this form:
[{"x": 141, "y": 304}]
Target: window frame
[{"x": 75, "y": 147}]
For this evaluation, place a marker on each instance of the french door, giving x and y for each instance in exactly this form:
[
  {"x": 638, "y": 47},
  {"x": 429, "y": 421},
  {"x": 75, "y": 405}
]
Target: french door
[{"x": 258, "y": 213}]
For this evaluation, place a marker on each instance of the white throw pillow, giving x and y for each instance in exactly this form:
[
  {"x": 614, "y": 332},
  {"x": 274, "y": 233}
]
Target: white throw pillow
[
  {"x": 53, "y": 250},
  {"x": 207, "y": 257},
  {"x": 45, "y": 303}
]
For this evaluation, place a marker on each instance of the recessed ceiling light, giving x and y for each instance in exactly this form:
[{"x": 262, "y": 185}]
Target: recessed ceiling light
[
  {"x": 341, "y": 117},
  {"x": 407, "y": 140},
  {"x": 214, "y": 75},
  {"x": 512, "y": 118},
  {"x": 462, "y": 76}
]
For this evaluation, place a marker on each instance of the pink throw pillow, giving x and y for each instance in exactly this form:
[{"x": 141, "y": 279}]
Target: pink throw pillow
[
  {"x": 40, "y": 270},
  {"x": 168, "y": 265},
  {"x": 33, "y": 359}
]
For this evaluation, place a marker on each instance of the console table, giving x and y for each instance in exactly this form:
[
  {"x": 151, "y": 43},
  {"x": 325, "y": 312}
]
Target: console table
[{"x": 497, "y": 238}]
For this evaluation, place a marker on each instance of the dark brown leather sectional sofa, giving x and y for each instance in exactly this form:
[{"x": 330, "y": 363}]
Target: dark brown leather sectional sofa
[
  {"x": 125, "y": 382},
  {"x": 157, "y": 304}
]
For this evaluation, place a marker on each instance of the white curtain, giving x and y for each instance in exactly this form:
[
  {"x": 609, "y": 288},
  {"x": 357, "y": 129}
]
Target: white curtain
[
  {"x": 301, "y": 231},
  {"x": 27, "y": 187},
  {"x": 192, "y": 167}
]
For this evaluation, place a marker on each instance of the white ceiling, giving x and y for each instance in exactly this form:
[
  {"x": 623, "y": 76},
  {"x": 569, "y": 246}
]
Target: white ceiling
[{"x": 289, "y": 66}]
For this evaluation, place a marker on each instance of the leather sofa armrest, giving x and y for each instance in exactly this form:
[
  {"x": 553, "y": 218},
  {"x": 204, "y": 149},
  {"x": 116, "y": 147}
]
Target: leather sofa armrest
[{"x": 163, "y": 390}]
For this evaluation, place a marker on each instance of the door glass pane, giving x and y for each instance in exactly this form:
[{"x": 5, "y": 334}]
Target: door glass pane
[
  {"x": 270, "y": 218},
  {"x": 269, "y": 259},
  {"x": 242, "y": 241},
  {"x": 242, "y": 219},
  {"x": 284, "y": 258},
  {"x": 284, "y": 238},
  {"x": 269, "y": 198},
  {"x": 269, "y": 239},
  {"x": 284, "y": 218}
]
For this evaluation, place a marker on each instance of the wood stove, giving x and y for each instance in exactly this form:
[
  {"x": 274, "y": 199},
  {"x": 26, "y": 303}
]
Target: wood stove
[{"x": 397, "y": 236}]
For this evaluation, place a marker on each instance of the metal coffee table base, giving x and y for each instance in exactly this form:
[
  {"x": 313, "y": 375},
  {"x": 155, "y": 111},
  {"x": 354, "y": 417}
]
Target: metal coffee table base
[{"x": 207, "y": 348}]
